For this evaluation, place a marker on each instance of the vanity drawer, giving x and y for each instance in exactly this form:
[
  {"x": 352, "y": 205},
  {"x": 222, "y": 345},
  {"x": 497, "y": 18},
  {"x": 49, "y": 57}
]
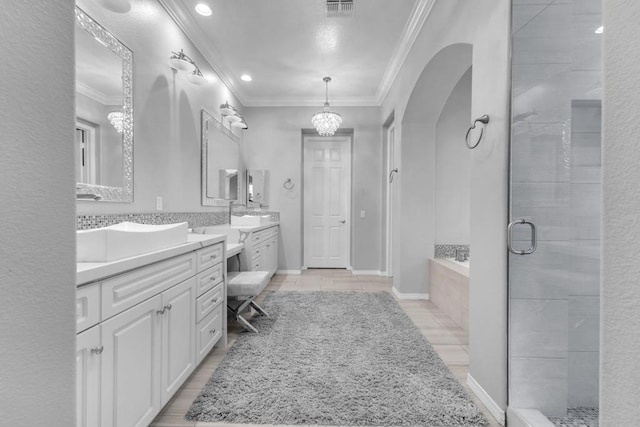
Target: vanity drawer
[
  {"x": 208, "y": 302},
  {"x": 209, "y": 278},
  {"x": 87, "y": 307},
  {"x": 129, "y": 289},
  {"x": 210, "y": 256},
  {"x": 208, "y": 332}
]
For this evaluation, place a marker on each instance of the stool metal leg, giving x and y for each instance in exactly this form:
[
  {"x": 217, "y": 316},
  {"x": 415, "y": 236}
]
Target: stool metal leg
[
  {"x": 246, "y": 324},
  {"x": 258, "y": 309}
]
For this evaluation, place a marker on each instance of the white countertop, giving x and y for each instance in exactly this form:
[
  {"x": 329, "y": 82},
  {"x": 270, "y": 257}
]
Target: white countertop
[{"x": 87, "y": 272}]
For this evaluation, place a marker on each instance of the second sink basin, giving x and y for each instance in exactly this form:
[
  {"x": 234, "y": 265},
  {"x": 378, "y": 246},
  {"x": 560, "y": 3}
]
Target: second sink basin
[
  {"x": 127, "y": 239},
  {"x": 249, "y": 220}
]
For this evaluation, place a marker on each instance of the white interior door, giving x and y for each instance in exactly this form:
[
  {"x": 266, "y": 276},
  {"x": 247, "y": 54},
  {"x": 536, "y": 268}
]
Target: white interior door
[{"x": 327, "y": 195}]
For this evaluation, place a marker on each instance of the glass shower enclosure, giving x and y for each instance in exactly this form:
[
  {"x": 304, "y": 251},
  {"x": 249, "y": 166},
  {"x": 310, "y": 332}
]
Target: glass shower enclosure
[{"x": 555, "y": 187}]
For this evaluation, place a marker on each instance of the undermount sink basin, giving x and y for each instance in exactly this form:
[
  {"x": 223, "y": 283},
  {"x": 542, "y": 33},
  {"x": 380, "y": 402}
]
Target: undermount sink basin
[
  {"x": 127, "y": 239},
  {"x": 249, "y": 220}
]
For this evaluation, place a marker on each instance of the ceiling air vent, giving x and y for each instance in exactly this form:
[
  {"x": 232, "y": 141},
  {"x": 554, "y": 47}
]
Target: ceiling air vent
[{"x": 339, "y": 8}]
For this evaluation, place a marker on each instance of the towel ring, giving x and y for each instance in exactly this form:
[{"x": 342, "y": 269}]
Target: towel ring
[
  {"x": 288, "y": 185},
  {"x": 482, "y": 119}
]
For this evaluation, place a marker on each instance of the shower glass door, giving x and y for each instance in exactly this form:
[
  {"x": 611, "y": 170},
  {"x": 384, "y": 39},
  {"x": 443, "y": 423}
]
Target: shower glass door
[{"x": 555, "y": 208}]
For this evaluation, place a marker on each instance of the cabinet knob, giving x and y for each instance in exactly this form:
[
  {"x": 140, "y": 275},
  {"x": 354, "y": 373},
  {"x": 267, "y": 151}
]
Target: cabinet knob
[
  {"x": 168, "y": 306},
  {"x": 97, "y": 350},
  {"x": 161, "y": 311}
]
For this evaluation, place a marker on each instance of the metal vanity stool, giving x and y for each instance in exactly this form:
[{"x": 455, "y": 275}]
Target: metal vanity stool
[{"x": 242, "y": 288}]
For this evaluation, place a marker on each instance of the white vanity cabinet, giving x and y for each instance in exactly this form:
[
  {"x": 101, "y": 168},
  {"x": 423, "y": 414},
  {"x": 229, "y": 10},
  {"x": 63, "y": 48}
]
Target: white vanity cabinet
[
  {"x": 139, "y": 339},
  {"x": 261, "y": 250}
]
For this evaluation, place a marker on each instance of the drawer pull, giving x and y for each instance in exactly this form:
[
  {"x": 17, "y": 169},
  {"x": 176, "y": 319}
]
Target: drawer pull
[
  {"x": 212, "y": 332},
  {"x": 97, "y": 350},
  {"x": 212, "y": 278},
  {"x": 214, "y": 256},
  {"x": 214, "y": 300}
]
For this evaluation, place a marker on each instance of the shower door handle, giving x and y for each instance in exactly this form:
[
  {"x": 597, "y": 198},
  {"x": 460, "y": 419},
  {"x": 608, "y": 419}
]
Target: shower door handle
[{"x": 534, "y": 242}]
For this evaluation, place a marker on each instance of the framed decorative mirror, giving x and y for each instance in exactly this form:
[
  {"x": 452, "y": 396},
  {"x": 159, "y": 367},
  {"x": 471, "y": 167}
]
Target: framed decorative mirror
[
  {"x": 221, "y": 176},
  {"x": 104, "y": 114}
]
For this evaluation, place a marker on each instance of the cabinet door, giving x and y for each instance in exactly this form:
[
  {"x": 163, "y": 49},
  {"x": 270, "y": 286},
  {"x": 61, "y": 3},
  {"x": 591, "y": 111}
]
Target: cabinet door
[
  {"x": 178, "y": 336},
  {"x": 131, "y": 367},
  {"x": 88, "y": 357}
]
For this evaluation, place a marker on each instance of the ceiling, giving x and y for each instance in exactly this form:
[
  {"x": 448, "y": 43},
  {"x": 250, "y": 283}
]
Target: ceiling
[{"x": 288, "y": 46}]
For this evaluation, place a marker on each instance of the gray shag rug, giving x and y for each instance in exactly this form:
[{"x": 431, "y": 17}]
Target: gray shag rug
[{"x": 334, "y": 359}]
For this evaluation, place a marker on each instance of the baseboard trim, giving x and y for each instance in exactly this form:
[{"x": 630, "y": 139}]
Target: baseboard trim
[
  {"x": 367, "y": 272},
  {"x": 400, "y": 295},
  {"x": 289, "y": 272},
  {"x": 486, "y": 400}
]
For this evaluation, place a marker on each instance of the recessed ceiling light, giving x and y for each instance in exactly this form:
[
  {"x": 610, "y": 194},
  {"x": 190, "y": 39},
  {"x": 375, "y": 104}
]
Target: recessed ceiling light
[
  {"x": 600, "y": 30},
  {"x": 203, "y": 9},
  {"x": 246, "y": 77}
]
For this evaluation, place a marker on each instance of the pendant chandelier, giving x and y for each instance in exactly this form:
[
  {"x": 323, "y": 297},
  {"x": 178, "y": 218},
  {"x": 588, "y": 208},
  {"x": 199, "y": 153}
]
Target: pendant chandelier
[{"x": 326, "y": 121}]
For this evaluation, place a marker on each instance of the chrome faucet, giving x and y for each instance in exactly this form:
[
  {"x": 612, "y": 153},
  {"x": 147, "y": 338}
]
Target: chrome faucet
[{"x": 230, "y": 210}]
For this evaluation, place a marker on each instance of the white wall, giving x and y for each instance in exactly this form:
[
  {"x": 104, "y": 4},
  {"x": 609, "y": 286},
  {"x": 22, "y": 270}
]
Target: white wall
[
  {"x": 620, "y": 293},
  {"x": 166, "y": 110},
  {"x": 453, "y": 161},
  {"x": 486, "y": 25},
  {"x": 276, "y": 145},
  {"x": 37, "y": 254}
]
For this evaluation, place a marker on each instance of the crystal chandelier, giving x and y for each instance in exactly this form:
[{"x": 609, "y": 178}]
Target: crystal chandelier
[
  {"x": 117, "y": 120},
  {"x": 326, "y": 122}
]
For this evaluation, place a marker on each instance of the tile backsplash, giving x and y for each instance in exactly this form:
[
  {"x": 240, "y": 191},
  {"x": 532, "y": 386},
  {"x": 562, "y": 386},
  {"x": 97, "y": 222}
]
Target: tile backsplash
[
  {"x": 449, "y": 251},
  {"x": 195, "y": 219}
]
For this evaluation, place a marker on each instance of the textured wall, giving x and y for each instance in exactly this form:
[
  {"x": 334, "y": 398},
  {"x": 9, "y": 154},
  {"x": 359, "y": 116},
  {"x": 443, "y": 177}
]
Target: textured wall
[
  {"x": 620, "y": 292},
  {"x": 277, "y": 146},
  {"x": 37, "y": 254},
  {"x": 166, "y": 110}
]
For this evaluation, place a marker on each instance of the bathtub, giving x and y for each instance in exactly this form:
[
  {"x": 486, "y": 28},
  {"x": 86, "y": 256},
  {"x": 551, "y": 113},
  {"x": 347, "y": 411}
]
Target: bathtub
[{"x": 449, "y": 280}]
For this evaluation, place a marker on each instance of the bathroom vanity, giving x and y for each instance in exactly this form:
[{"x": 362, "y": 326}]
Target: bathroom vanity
[
  {"x": 256, "y": 246},
  {"x": 144, "y": 323}
]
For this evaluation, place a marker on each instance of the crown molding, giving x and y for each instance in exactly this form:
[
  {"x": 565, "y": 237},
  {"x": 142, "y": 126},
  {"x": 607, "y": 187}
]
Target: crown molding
[
  {"x": 365, "y": 101},
  {"x": 180, "y": 15},
  {"x": 96, "y": 95},
  {"x": 419, "y": 15}
]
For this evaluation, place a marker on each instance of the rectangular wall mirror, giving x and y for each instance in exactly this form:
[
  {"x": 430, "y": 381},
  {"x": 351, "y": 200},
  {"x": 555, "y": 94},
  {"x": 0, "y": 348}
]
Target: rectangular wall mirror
[
  {"x": 257, "y": 188},
  {"x": 104, "y": 113},
  {"x": 221, "y": 177}
]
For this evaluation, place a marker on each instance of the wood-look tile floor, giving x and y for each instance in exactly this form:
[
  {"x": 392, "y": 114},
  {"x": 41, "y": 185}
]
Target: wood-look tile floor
[{"x": 446, "y": 337}]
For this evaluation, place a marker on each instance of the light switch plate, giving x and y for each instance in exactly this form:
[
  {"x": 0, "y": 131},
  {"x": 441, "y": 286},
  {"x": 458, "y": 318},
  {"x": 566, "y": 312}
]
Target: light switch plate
[
  {"x": 159, "y": 203},
  {"x": 363, "y": 214}
]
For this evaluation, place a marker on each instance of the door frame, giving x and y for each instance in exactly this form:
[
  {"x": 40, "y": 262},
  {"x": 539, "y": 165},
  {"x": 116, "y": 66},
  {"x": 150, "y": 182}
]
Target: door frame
[
  {"x": 306, "y": 133},
  {"x": 389, "y": 148}
]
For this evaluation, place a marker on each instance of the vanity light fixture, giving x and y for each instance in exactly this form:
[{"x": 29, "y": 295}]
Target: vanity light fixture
[
  {"x": 326, "y": 121},
  {"x": 179, "y": 61},
  {"x": 232, "y": 115},
  {"x": 116, "y": 118},
  {"x": 203, "y": 9}
]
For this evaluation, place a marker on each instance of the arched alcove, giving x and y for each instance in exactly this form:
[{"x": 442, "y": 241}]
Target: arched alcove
[{"x": 414, "y": 226}]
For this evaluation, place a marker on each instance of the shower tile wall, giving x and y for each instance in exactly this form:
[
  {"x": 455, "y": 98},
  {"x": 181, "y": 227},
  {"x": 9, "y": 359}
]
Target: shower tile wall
[{"x": 556, "y": 181}]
